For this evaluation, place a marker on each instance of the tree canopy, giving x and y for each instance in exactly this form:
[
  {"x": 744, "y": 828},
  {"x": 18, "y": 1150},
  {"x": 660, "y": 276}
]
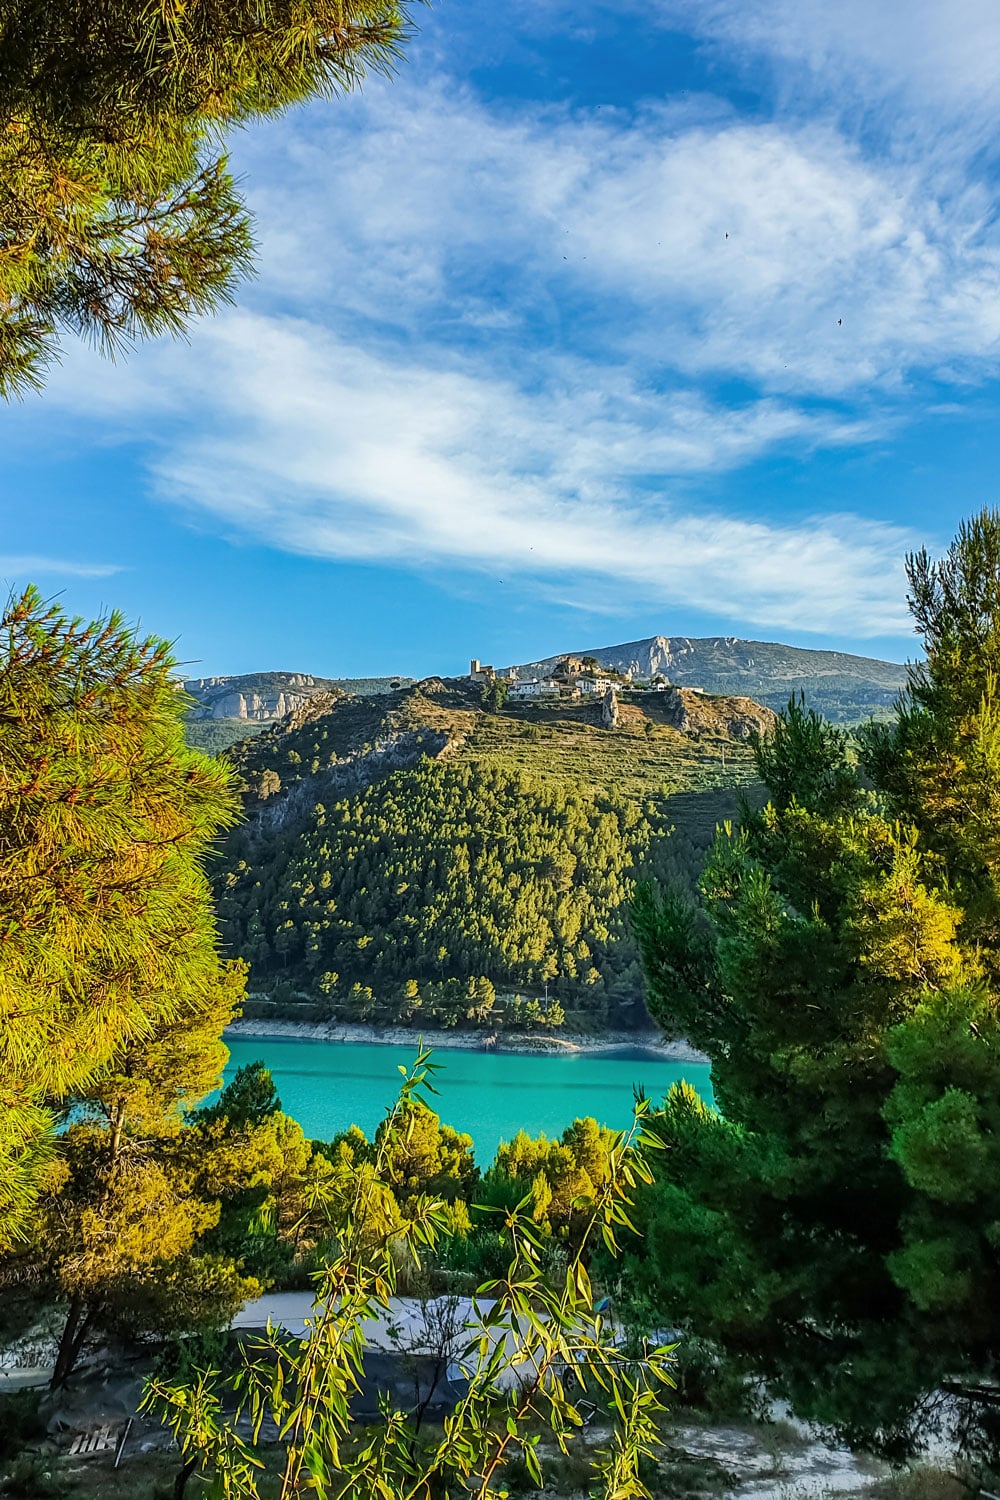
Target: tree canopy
[
  {"x": 443, "y": 873},
  {"x": 118, "y": 215},
  {"x": 515, "y": 1350},
  {"x": 105, "y": 815},
  {"x": 835, "y": 1226}
]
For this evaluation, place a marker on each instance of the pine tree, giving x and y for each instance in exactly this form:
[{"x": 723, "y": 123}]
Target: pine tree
[
  {"x": 836, "y": 1225},
  {"x": 118, "y": 1228},
  {"x": 105, "y": 816},
  {"x": 118, "y": 216}
]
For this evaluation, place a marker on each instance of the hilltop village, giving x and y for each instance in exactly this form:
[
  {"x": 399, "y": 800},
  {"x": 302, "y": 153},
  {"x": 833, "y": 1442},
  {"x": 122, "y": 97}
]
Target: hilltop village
[{"x": 573, "y": 677}]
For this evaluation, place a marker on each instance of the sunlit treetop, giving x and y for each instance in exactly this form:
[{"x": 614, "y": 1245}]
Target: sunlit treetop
[{"x": 118, "y": 217}]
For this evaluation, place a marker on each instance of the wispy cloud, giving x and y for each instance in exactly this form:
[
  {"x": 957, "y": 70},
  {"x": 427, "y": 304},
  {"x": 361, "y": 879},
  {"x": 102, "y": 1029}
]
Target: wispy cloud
[
  {"x": 920, "y": 52},
  {"x": 535, "y": 339},
  {"x": 687, "y": 240},
  {"x": 318, "y": 448},
  {"x": 26, "y": 568}
]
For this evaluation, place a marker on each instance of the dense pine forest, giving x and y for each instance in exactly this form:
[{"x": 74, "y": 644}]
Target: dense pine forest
[{"x": 441, "y": 884}]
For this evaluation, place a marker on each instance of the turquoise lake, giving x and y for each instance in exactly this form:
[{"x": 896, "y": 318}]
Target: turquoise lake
[{"x": 327, "y": 1086}]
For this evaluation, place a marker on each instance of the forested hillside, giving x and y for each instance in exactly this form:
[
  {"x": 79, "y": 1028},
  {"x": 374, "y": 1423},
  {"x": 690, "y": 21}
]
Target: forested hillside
[
  {"x": 440, "y": 875},
  {"x": 417, "y": 858}
]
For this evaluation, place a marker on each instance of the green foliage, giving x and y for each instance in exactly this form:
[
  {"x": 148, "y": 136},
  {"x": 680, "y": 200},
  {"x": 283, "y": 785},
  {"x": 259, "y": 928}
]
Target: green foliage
[
  {"x": 31, "y": 1478},
  {"x": 525, "y": 1326},
  {"x": 421, "y": 1155},
  {"x": 557, "y": 1178},
  {"x": 119, "y": 217},
  {"x": 496, "y": 691},
  {"x": 678, "y": 955},
  {"x": 118, "y": 1228},
  {"x": 21, "y": 1422},
  {"x": 250, "y": 1097},
  {"x": 805, "y": 760},
  {"x": 439, "y": 885},
  {"x": 105, "y": 815},
  {"x": 216, "y": 736},
  {"x": 837, "y": 1228}
]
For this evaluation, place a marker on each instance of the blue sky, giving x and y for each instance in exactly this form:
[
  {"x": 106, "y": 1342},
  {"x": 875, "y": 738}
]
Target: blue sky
[{"x": 600, "y": 320}]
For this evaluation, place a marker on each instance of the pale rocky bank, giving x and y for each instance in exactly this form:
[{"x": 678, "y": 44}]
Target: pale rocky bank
[{"x": 469, "y": 1041}]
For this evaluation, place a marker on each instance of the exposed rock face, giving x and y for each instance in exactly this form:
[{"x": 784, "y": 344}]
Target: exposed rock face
[
  {"x": 256, "y": 705},
  {"x": 260, "y": 696},
  {"x": 265, "y": 697},
  {"x": 697, "y": 713},
  {"x": 609, "y": 709}
]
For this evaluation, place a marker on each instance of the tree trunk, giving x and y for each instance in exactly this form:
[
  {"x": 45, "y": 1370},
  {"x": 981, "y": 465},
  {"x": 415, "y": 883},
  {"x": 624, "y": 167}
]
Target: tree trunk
[
  {"x": 182, "y": 1476},
  {"x": 75, "y": 1330},
  {"x": 117, "y": 1126}
]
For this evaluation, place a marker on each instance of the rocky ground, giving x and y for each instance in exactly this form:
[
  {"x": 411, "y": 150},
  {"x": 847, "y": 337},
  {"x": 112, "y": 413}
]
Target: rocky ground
[
  {"x": 471, "y": 1041},
  {"x": 701, "y": 1461},
  {"x": 91, "y": 1443}
]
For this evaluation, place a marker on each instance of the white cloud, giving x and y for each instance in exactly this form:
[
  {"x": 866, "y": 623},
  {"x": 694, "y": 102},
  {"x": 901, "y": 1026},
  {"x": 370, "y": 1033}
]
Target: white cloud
[
  {"x": 319, "y": 448},
  {"x": 688, "y": 241},
  {"x": 924, "y": 50},
  {"x": 508, "y": 337}
]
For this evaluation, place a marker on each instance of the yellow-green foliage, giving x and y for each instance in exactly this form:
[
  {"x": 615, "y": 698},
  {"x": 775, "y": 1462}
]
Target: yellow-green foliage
[
  {"x": 539, "y": 1328},
  {"x": 560, "y": 1175},
  {"x": 129, "y": 1197},
  {"x": 105, "y": 815},
  {"x": 644, "y": 757}
]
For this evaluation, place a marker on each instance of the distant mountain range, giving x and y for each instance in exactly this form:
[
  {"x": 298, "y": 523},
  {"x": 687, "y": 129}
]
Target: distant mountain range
[
  {"x": 231, "y": 708},
  {"x": 843, "y": 687}
]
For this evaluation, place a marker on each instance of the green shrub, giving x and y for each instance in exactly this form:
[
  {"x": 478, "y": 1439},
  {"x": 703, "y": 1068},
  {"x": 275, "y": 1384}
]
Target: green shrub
[
  {"x": 32, "y": 1479},
  {"x": 20, "y": 1422}
]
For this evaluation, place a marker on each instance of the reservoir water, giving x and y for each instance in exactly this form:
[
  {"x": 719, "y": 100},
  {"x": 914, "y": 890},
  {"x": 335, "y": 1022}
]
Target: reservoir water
[{"x": 328, "y": 1086}]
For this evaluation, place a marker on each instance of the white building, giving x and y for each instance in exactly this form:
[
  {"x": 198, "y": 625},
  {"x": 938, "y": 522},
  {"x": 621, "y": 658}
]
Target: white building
[
  {"x": 595, "y": 686},
  {"x": 534, "y": 687}
]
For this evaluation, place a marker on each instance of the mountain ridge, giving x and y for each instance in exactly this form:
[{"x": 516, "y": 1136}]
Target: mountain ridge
[
  {"x": 267, "y": 696},
  {"x": 844, "y": 686}
]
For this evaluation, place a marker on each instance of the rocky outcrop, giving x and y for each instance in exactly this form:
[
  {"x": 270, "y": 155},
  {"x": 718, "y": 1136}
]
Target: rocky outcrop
[
  {"x": 700, "y": 713},
  {"x": 266, "y": 697},
  {"x": 261, "y": 706},
  {"x": 258, "y": 696},
  {"x": 609, "y": 708}
]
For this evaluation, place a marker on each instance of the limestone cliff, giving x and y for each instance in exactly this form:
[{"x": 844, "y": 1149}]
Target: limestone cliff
[{"x": 265, "y": 697}]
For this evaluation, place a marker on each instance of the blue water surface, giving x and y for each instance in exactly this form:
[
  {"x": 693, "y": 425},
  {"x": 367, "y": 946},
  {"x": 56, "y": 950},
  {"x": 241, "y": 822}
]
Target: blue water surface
[{"x": 328, "y": 1086}]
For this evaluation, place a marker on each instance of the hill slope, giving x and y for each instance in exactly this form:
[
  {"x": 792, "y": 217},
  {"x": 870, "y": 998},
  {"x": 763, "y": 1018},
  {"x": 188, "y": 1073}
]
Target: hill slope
[
  {"x": 663, "y": 742},
  {"x": 411, "y": 853},
  {"x": 231, "y": 708},
  {"x": 843, "y": 687}
]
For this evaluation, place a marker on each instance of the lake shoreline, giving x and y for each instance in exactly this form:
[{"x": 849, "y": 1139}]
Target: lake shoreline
[{"x": 611, "y": 1044}]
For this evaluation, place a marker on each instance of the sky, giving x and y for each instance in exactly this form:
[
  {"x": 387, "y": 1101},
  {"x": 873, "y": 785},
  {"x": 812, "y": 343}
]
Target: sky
[{"x": 596, "y": 321}]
